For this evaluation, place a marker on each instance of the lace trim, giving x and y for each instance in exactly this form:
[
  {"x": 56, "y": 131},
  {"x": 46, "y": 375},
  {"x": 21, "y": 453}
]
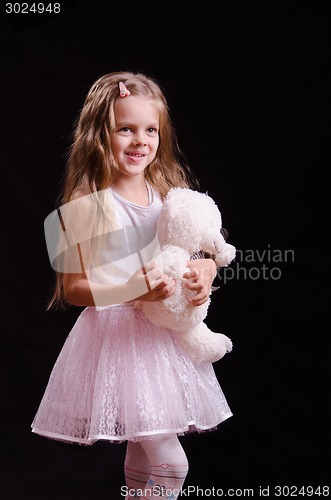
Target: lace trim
[{"x": 190, "y": 427}]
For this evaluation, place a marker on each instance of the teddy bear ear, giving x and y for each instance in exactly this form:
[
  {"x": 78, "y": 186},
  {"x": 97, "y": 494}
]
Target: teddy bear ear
[
  {"x": 224, "y": 233},
  {"x": 174, "y": 200},
  {"x": 172, "y": 193},
  {"x": 168, "y": 199}
]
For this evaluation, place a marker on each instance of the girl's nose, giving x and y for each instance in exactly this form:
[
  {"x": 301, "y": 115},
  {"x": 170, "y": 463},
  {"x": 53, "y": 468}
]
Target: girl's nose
[{"x": 140, "y": 141}]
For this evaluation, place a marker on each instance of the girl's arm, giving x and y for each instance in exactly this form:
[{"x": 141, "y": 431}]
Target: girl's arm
[
  {"x": 202, "y": 273},
  {"x": 148, "y": 285},
  {"x": 77, "y": 290}
]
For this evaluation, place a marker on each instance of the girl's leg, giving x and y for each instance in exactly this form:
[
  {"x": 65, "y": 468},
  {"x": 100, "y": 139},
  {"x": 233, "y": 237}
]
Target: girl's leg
[
  {"x": 136, "y": 469},
  {"x": 169, "y": 467}
]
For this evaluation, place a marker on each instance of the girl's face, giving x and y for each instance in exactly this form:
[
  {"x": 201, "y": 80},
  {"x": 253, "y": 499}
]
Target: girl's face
[{"x": 136, "y": 137}]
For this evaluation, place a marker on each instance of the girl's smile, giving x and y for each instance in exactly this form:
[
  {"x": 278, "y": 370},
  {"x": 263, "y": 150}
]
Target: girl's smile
[{"x": 135, "y": 156}]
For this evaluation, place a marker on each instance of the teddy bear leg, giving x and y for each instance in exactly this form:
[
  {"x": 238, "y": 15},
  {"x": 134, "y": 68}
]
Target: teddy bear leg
[{"x": 203, "y": 345}]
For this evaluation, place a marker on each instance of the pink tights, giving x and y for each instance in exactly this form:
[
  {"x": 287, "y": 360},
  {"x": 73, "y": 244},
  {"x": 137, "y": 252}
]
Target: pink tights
[{"x": 155, "y": 468}]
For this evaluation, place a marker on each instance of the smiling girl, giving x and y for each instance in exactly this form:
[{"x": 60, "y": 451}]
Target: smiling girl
[{"x": 118, "y": 377}]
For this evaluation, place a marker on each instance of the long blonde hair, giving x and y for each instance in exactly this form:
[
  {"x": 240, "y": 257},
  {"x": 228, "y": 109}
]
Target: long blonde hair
[{"x": 91, "y": 167}]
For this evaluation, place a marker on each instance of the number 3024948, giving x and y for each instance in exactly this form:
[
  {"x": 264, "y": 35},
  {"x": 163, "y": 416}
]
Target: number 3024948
[{"x": 35, "y": 8}]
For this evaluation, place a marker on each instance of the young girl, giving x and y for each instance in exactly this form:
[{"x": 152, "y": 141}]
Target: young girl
[{"x": 118, "y": 377}]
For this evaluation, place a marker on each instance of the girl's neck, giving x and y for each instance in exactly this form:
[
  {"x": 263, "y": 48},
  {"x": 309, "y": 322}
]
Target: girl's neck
[{"x": 132, "y": 189}]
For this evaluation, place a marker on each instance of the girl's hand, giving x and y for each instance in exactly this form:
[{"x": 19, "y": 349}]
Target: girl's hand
[
  {"x": 151, "y": 278},
  {"x": 201, "y": 274}
]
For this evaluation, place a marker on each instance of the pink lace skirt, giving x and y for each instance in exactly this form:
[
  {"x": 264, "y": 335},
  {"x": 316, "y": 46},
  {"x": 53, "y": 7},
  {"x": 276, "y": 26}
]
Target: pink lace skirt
[{"x": 119, "y": 378}]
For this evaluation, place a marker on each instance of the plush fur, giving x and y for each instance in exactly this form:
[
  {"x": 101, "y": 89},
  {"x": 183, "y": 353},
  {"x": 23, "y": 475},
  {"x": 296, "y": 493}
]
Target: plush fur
[{"x": 189, "y": 222}]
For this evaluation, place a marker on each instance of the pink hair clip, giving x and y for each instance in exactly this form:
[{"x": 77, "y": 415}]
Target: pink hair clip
[{"x": 123, "y": 90}]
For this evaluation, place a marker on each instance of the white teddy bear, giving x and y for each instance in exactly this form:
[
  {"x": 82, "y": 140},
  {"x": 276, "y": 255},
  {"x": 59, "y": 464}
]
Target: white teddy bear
[{"x": 189, "y": 222}]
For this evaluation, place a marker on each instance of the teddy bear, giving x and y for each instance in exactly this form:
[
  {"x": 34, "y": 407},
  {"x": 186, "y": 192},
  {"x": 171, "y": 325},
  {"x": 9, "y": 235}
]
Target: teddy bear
[{"x": 189, "y": 224}]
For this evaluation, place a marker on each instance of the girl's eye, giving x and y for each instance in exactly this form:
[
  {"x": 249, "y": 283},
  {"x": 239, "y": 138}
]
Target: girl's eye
[
  {"x": 124, "y": 129},
  {"x": 152, "y": 130}
]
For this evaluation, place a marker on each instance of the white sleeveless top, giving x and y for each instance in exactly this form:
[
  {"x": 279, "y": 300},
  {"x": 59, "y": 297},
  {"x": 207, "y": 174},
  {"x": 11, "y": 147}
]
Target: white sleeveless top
[{"x": 126, "y": 249}]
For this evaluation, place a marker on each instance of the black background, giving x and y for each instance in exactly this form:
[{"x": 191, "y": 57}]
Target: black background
[{"x": 249, "y": 87}]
